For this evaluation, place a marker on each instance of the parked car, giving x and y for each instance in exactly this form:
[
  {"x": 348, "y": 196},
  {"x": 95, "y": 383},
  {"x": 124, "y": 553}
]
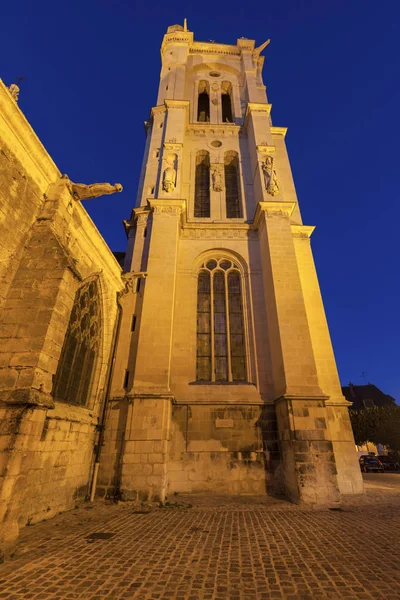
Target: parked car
[
  {"x": 389, "y": 463},
  {"x": 369, "y": 464}
]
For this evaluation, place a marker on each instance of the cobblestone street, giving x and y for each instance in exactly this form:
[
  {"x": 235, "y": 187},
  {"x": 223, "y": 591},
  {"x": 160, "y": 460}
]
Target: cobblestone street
[{"x": 244, "y": 548}]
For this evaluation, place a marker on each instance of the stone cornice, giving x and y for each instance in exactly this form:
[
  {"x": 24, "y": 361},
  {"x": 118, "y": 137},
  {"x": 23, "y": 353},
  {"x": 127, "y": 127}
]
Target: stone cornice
[
  {"x": 221, "y": 129},
  {"x": 212, "y": 48},
  {"x": 16, "y": 131},
  {"x": 302, "y": 231},
  {"x": 139, "y": 216},
  {"x": 177, "y": 38},
  {"x": 265, "y": 149},
  {"x": 177, "y": 104},
  {"x": 222, "y": 231},
  {"x": 258, "y": 107},
  {"x": 157, "y": 109},
  {"x": 279, "y": 131},
  {"x": 273, "y": 209},
  {"x": 167, "y": 206}
]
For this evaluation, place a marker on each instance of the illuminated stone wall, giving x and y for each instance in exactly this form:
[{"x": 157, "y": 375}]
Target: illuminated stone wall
[{"x": 49, "y": 247}]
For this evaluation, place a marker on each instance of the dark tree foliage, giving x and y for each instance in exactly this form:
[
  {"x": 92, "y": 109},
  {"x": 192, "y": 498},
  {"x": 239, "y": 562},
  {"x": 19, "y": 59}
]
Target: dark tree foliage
[{"x": 379, "y": 425}]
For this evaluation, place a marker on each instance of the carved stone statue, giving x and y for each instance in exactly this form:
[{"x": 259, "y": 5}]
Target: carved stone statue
[
  {"x": 216, "y": 176},
  {"x": 14, "y": 91},
  {"x": 169, "y": 177},
  {"x": 270, "y": 178}
]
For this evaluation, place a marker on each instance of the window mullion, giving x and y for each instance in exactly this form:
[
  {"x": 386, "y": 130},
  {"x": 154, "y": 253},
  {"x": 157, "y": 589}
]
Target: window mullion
[
  {"x": 212, "y": 327},
  {"x": 228, "y": 329}
]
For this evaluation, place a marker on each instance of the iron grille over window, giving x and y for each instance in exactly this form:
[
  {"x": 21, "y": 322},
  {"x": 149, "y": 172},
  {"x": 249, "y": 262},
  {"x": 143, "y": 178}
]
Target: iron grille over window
[
  {"x": 232, "y": 185},
  {"x": 221, "y": 354},
  {"x": 81, "y": 343},
  {"x": 202, "y": 185}
]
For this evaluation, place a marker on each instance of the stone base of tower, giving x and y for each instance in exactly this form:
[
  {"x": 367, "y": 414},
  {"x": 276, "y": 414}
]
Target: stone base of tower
[
  {"x": 308, "y": 459},
  {"x": 298, "y": 448},
  {"x": 143, "y": 471},
  {"x": 318, "y": 457},
  {"x": 229, "y": 449}
]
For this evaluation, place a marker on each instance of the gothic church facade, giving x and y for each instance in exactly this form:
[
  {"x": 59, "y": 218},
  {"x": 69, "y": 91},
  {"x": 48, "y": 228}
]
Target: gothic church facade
[{"x": 205, "y": 364}]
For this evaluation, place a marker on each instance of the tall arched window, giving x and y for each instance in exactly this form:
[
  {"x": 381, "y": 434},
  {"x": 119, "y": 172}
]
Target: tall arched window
[
  {"x": 203, "y": 102},
  {"x": 231, "y": 167},
  {"x": 202, "y": 185},
  {"x": 74, "y": 375},
  {"x": 226, "y": 101},
  {"x": 221, "y": 353}
]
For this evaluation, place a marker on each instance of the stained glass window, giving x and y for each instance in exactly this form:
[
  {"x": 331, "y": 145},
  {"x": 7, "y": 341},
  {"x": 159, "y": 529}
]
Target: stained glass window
[
  {"x": 74, "y": 375},
  {"x": 221, "y": 353}
]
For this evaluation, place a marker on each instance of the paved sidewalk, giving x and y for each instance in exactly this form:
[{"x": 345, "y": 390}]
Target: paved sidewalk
[{"x": 243, "y": 548}]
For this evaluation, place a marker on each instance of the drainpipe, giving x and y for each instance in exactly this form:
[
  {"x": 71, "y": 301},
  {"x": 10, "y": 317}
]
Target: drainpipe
[{"x": 102, "y": 424}]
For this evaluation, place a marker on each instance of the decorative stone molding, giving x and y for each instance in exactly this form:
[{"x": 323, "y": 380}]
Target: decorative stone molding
[
  {"x": 302, "y": 231},
  {"x": 172, "y": 146},
  {"x": 279, "y": 131},
  {"x": 227, "y": 129},
  {"x": 180, "y": 104},
  {"x": 218, "y": 234},
  {"x": 273, "y": 209},
  {"x": 157, "y": 109},
  {"x": 212, "y": 48},
  {"x": 264, "y": 149},
  {"x": 139, "y": 218},
  {"x": 258, "y": 107},
  {"x": 167, "y": 207}
]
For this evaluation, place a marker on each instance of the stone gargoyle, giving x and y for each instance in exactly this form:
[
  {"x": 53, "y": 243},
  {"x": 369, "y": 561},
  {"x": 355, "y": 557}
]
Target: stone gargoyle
[{"x": 80, "y": 191}]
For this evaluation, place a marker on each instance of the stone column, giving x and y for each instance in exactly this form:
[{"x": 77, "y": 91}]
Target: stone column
[
  {"x": 349, "y": 475},
  {"x": 306, "y": 446}
]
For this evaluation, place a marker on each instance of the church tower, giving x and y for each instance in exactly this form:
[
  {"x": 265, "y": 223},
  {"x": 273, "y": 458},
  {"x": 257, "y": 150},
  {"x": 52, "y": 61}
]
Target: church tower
[{"x": 224, "y": 377}]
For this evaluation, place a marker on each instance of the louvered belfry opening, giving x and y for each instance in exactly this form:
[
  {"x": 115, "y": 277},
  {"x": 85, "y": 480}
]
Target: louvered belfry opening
[
  {"x": 221, "y": 352},
  {"x": 75, "y": 370},
  {"x": 231, "y": 167},
  {"x": 202, "y": 185},
  {"x": 226, "y": 102},
  {"x": 203, "y": 102}
]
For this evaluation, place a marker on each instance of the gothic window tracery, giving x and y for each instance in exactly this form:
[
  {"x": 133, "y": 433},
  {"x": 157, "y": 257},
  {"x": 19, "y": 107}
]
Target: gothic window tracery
[
  {"x": 75, "y": 370},
  {"x": 202, "y": 185},
  {"x": 221, "y": 354},
  {"x": 231, "y": 168}
]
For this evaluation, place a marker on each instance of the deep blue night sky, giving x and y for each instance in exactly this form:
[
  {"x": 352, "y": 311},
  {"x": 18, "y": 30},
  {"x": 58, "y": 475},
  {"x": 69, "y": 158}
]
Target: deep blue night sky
[{"x": 332, "y": 74}]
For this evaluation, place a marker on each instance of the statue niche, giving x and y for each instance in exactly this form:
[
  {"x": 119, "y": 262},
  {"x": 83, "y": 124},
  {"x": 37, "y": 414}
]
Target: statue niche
[
  {"x": 169, "y": 176},
  {"x": 270, "y": 178}
]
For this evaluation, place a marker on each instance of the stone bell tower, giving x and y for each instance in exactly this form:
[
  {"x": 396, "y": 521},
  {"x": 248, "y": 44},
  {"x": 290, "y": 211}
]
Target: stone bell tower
[{"x": 224, "y": 377}]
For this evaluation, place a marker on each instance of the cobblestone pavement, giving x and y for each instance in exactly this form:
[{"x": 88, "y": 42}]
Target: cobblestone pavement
[{"x": 243, "y": 548}]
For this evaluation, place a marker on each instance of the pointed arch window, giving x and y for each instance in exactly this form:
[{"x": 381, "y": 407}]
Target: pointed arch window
[
  {"x": 203, "y": 102},
  {"x": 202, "y": 185},
  {"x": 221, "y": 353},
  {"x": 75, "y": 370},
  {"x": 231, "y": 167},
  {"x": 226, "y": 102}
]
